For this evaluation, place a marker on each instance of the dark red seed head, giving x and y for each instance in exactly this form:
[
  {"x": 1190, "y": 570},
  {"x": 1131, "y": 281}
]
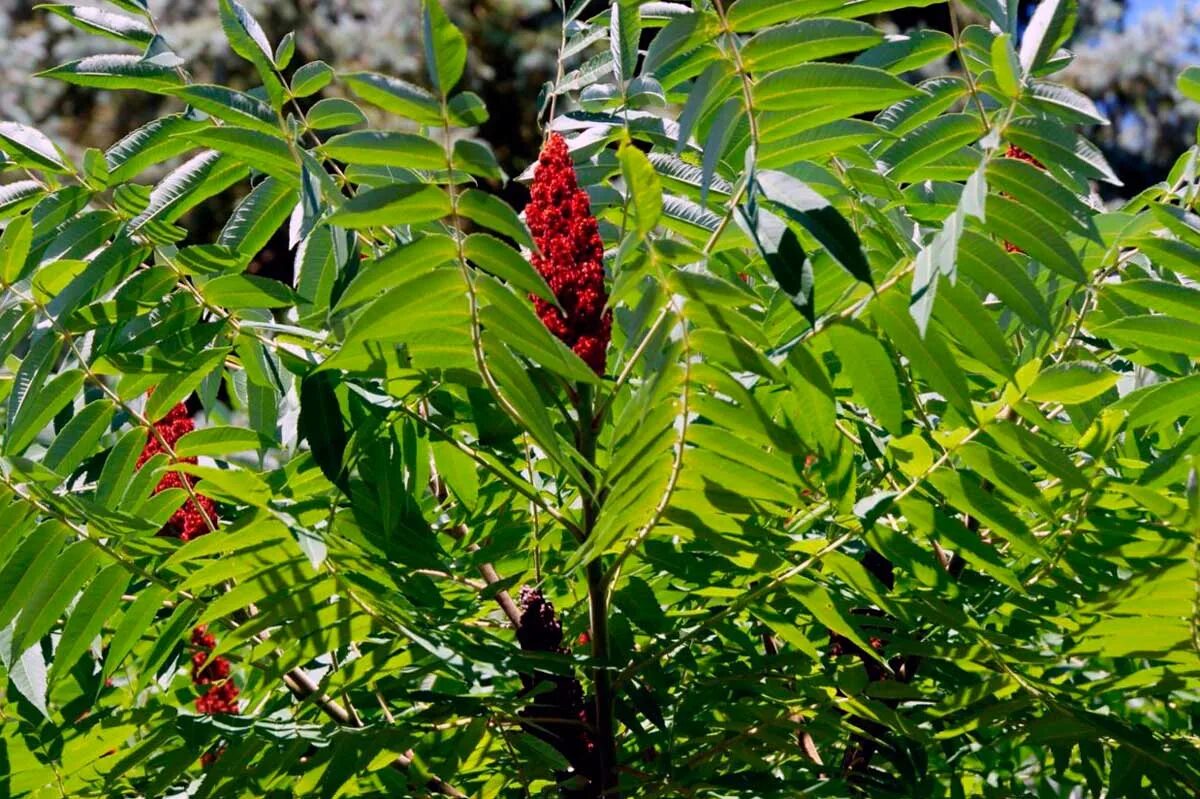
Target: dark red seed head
[{"x": 540, "y": 630}]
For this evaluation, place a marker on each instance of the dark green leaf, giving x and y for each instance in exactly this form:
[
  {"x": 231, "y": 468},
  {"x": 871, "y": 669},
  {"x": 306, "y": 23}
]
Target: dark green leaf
[
  {"x": 506, "y": 263},
  {"x": 492, "y": 212},
  {"x": 41, "y": 609},
  {"x": 404, "y": 263},
  {"x": 14, "y": 248},
  {"x": 872, "y": 374},
  {"x": 849, "y": 88},
  {"x": 268, "y": 154},
  {"x": 1048, "y": 29},
  {"x": 104, "y": 23},
  {"x": 1072, "y": 383},
  {"x": 97, "y": 604},
  {"x": 644, "y": 189},
  {"x": 236, "y": 108},
  {"x": 1155, "y": 332},
  {"x": 135, "y": 622},
  {"x": 78, "y": 438},
  {"x": 115, "y": 72},
  {"x": 818, "y": 216},
  {"x": 807, "y": 40},
  {"x": 321, "y": 424}
]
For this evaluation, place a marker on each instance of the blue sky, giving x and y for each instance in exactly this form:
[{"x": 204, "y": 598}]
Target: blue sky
[{"x": 1137, "y": 7}]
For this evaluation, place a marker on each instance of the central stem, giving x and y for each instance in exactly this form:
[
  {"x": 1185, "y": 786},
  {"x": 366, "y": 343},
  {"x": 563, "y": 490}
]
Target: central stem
[{"x": 606, "y": 749}]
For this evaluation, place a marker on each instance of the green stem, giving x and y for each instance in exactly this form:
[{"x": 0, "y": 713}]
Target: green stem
[{"x": 606, "y": 747}]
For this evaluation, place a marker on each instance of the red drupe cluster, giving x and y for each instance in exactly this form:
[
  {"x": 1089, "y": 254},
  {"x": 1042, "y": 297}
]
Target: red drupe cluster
[
  {"x": 188, "y": 521},
  {"x": 212, "y": 675},
  {"x": 220, "y": 696},
  {"x": 211, "y": 756},
  {"x": 571, "y": 257},
  {"x": 540, "y": 629},
  {"x": 1013, "y": 151},
  {"x": 563, "y": 718}
]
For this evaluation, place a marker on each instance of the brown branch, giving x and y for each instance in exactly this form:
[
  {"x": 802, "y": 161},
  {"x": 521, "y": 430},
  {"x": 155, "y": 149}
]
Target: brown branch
[
  {"x": 491, "y": 577},
  {"x": 303, "y": 688}
]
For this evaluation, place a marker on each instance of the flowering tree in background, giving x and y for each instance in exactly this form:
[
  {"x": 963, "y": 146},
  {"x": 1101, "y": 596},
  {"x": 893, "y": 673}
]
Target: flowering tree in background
[
  {"x": 1127, "y": 55},
  {"x": 811, "y": 430}
]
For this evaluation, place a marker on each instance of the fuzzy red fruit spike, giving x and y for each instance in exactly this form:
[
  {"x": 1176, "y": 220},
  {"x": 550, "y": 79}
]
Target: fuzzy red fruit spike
[
  {"x": 170, "y": 428},
  {"x": 571, "y": 257},
  {"x": 188, "y": 521},
  {"x": 562, "y": 712},
  {"x": 221, "y": 695}
]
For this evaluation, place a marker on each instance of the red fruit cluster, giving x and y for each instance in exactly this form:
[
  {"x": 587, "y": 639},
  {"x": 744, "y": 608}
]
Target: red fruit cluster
[
  {"x": 210, "y": 757},
  {"x": 188, "y": 521},
  {"x": 221, "y": 694},
  {"x": 571, "y": 257},
  {"x": 1013, "y": 151},
  {"x": 540, "y": 629},
  {"x": 563, "y": 718}
]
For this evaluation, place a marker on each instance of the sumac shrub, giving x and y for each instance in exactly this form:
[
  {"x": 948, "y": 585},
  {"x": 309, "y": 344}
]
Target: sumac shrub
[{"x": 814, "y": 430}]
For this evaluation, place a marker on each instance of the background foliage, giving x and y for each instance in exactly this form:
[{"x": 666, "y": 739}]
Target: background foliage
[{"x": 888, "y": 486}]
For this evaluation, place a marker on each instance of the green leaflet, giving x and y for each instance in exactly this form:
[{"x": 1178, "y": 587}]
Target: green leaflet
[
  {"x": 392, "y": 205},
  {"x": 851, "y": 89},
  {"x": 445, "y": 47},
  {"x": 395, "y": 96},
  {"x": 115, "y": 72},
  {"x": 30, "y": 146},
  {"x": 386, "y": 148},
  {"x": 871, "y": 372}
]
